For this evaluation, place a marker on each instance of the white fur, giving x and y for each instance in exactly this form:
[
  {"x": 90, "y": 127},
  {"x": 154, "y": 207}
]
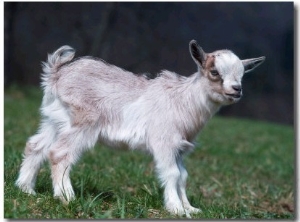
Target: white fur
[{"x": 87, "y": 100}]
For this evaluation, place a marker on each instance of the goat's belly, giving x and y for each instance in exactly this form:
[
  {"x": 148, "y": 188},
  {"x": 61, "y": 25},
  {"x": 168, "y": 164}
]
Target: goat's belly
[
  {"x": 130, "y": 131},
  {"x": 123, "y": 138}
]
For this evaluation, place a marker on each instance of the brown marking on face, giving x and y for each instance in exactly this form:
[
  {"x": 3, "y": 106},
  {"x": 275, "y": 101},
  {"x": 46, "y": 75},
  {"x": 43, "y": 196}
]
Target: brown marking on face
[
  {"x": 210, "y": 62},
  {"x": 209, "y": 66},
  {"x": 217, "y": 86},
  {"x": 215, "y": 81}
]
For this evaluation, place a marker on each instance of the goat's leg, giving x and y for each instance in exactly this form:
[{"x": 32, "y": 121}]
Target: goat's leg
[
  {"x": 60, "y": 173},
  {"x": 34, "y": 155},
  {"x": 169, "y": 175},
  {"x": 182, "y": 187},
  {"x": 63, "y": 154}
]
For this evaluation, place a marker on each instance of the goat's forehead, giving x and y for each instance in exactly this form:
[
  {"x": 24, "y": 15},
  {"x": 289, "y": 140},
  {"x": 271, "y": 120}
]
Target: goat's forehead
[{"x": 227, "y": 62}]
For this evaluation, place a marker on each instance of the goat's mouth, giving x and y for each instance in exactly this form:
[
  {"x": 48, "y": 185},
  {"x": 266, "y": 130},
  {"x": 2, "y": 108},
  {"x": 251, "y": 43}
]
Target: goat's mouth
[{"x": 234, "y": 97}]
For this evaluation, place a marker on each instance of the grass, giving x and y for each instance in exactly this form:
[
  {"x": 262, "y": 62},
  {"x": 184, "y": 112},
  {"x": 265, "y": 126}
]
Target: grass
[{"x": 241, "y": 169}]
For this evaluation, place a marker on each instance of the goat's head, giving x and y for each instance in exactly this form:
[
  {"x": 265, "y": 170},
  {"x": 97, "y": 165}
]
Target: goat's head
[{"x": 223, "y": 71}]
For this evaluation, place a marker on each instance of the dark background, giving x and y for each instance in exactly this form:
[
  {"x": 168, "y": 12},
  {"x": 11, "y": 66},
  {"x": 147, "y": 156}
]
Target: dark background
[{"x": 149, "y": 37}]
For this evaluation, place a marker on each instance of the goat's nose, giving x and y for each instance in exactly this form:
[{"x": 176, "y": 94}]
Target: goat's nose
[{"x": 237, "y": 88}]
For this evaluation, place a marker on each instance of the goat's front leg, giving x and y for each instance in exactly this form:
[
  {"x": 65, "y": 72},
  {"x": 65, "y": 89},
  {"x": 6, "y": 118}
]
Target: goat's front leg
[
  {"x": 182, "y": 188},
  {"x": 169, "y": 175}
]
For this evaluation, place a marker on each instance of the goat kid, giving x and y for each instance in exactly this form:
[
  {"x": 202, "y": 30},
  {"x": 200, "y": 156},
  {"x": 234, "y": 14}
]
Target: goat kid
[{"x": 86, "y": 100}]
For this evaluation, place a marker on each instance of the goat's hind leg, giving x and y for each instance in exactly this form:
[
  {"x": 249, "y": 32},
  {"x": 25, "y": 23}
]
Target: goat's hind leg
[
  {"x": 63, "y": 154},
  {"x": 34, "y": 155}
]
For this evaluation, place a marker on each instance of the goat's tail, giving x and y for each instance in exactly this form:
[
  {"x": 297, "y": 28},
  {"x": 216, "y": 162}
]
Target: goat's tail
[{"x": 55, "y": 60}]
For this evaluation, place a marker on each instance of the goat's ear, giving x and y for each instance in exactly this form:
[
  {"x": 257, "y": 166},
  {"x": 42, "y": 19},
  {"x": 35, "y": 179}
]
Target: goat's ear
[
  {"x": 197, "y": 53},
  {"x": 251, "y": 64}
]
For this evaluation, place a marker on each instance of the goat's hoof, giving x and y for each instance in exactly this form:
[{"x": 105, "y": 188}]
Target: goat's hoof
[
  {"x": 65, "y": 196},
  {"x": 193, "y": 210},
  {"x": 62, "y": 199},
  {"x": 27, "y": 189},
  {"x": 176, "y": 210},
  {"x": 31, "y": 192},
  {"x": 65, "y": 200}
]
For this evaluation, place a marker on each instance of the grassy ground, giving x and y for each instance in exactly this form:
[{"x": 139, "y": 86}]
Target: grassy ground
[{"x": 240, "y": 169}]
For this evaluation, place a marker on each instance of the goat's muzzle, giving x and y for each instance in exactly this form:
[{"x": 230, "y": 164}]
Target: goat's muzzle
[{"x": 236, "y": 94}]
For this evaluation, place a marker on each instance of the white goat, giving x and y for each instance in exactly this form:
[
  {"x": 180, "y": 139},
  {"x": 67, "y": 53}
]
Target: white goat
[{"x": 86, "y": 100}]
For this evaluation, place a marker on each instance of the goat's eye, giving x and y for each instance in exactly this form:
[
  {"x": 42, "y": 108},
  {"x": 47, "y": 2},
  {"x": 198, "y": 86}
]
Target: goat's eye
[{"x": 214, "y": 72}]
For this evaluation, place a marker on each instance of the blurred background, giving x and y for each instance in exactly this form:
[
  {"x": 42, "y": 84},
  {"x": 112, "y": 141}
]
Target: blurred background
[{"x": 149, "y": 37}]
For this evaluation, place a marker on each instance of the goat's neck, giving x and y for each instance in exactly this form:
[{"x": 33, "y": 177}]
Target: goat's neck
[
  {"x": 203, "y": 102},
  {"x": 200, "y": 107}
]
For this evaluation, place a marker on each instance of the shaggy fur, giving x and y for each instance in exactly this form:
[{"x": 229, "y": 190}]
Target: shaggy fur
[{"x": 87, "y": 100}]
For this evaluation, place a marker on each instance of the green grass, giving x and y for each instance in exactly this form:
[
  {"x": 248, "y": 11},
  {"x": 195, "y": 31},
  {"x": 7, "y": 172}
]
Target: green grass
[{"x": 240, "y": 169}]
